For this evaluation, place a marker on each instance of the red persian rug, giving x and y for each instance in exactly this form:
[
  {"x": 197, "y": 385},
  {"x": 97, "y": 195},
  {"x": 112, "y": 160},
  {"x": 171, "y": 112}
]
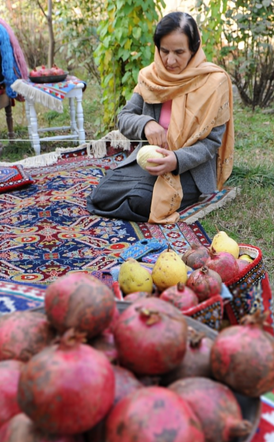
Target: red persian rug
[{"x": 46, "y": 231}]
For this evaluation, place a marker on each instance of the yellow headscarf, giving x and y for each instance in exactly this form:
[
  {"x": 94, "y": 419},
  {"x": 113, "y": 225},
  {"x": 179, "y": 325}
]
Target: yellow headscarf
[{"x": 201, "y": 99}]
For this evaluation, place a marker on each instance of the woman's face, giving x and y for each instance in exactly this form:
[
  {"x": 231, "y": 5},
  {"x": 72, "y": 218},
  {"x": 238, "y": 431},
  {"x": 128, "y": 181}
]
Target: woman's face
[{"x": 174, "y": 52}]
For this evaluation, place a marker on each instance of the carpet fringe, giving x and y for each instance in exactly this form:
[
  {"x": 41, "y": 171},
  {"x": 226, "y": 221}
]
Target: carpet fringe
[
  {"x": 99, "y": 148},
  {"x": 94, "y": 149},
  {"x": 201, "y": 213},
  {"x": 35, "y": 95},
  {"x": 45, "y": 159}
]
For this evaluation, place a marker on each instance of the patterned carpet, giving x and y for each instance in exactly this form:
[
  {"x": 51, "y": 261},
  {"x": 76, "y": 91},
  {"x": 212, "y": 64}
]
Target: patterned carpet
[{"x": 46, "y": 231}]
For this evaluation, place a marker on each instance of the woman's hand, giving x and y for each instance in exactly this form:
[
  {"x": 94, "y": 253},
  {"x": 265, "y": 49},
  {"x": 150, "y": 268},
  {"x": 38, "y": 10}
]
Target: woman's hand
[
  {"x": 156, "y": 134},
  {"x": 164, "y": 165}
]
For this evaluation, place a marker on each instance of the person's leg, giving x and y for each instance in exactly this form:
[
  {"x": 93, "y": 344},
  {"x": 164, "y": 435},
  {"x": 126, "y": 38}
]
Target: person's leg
[
  {"x": 123, "y": 193},
  {"x": 191, "y": 192}
]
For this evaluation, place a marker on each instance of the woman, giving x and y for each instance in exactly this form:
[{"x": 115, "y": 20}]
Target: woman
[{"x": 183, "y": 104}]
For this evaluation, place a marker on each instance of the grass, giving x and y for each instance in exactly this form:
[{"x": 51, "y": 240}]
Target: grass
[{"x": 248, "y": 218}]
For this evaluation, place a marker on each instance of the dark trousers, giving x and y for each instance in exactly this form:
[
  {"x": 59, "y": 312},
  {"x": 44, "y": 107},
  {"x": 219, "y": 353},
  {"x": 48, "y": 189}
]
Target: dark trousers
[{"x": 126, "y": 193}]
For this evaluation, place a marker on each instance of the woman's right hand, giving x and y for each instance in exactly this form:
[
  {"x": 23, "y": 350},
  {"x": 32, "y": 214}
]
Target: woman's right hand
[{"x": 156, "y": 134}]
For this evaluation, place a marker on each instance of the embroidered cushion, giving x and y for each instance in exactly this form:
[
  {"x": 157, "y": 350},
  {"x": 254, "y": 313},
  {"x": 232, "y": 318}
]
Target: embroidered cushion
[{"x": 13, "y": 177}]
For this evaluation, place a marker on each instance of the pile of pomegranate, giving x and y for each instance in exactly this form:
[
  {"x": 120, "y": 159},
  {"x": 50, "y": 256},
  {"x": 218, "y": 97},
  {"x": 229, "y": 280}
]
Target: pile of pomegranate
[
  {"x": 46, "y": 72},
  {"x": 85, "y": 372}
]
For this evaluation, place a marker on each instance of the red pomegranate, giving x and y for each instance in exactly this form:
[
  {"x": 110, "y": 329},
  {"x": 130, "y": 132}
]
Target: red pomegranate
[
  {"x": 79, "y": 301},
  {"x": 196, "y": 361},
  {"x": 205, "y": 283},
  {"x": 105, "y": 343},
  {"x": 132, "y": 297},
  {"x": 242, "y": 264},
  {"x": 10, "y": 371},
  {"x": 67, "y": 388},
  {"x": 151, "y": 336},
  {"x": 181, "y": 296},
  {"x": 196, "y": 256},
  {"x": 112, "y": 323},
  {"x": 242, "y": 356},
  {"x": 151, "y": 414},
  {"x": 21, "y": 429},
  {"x": 125, "y": 383},
  {"x": 215, "y": 406},
  {"x": 23, "y": 334},
  {"x": 223, "y": 263}
]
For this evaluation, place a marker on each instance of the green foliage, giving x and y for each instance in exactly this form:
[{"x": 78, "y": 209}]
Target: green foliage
[
  {"x": 239, "y": 35},
  {"x": 77, "y": 22},
  {"x": 210, "y": 19},
  {"x": 126, "y": 45}
]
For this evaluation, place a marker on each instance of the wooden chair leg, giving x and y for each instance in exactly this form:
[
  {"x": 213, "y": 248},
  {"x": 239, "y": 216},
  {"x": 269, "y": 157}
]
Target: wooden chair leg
[{"x": 9, "y": 119}]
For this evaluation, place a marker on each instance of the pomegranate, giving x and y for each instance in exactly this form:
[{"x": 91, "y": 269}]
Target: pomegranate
[
  {"x": 242, "y": 356},
  {"x": 196, "y": 256},
  {"x": 181, "y": 296},
  {"x": 132, "y": 297},
  {"x": 67, "y": 388},
  {"x": 105, "y": 343},
  {"x": 9, "y": 376},
  {"x": 215, "y": 406},
  {"x": 151, "y": 414},
  {"x": 196, "y": 361},
  {"x": 151, "y": 336},
  {"x": 23, "y": 334},
  {"x": 205, "y": 282},
  {"x": 34, "y": 73},
  {"x": 55, "y": 70},
  {"x": 112, "y": 323},
  {"x": 21, "y": 429},
  {"x": 223, "y": 263},
  {"x": 242, "y": 264},
  {"x": 125, "y": 383},
  {"x": 79, "y": 301}
]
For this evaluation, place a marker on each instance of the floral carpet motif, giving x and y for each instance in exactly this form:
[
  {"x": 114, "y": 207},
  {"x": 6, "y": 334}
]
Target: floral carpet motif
[{"x": 46, "y": 231}]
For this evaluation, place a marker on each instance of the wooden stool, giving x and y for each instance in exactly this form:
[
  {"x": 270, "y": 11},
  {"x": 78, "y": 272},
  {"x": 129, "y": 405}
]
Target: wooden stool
[{"x": 76, "y": 120}]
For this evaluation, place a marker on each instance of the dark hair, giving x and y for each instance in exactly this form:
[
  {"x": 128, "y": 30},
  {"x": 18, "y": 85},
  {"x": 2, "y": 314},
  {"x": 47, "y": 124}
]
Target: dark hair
[{"x": 178, "y": 20}]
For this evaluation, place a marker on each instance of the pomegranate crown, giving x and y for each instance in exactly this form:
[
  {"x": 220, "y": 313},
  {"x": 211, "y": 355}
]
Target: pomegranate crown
[{"x": 256, "y": 319}]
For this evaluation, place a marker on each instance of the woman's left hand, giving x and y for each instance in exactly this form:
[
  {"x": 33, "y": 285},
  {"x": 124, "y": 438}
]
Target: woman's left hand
[{"x": 164, "y": 165}]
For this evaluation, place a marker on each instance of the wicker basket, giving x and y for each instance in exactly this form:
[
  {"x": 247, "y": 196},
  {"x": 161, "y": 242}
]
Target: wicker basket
[
  {"x": 209, "y": 312},
  {"x": 251, "y": 290}
]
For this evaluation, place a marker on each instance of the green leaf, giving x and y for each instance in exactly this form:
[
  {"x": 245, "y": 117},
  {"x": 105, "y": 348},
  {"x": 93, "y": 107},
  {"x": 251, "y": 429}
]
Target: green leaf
[{"x": 136, "y": 32}]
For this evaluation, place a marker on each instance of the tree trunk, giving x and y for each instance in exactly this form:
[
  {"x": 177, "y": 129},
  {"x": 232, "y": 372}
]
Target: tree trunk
[{"x": 51, "y": 36}]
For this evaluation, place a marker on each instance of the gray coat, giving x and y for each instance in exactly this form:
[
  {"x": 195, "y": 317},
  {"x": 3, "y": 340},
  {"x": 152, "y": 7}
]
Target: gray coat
[{"x": 199, "y": 159}]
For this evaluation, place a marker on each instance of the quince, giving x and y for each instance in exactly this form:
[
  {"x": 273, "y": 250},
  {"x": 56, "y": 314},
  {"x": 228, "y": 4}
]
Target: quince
[
  {"x": 146, "y": 152},
  {"x": 246, "y": 257},
  {"x": 168, "y": 270},
  {"x": 133, "y": 277},
  {"x": 221, "y": 242}
]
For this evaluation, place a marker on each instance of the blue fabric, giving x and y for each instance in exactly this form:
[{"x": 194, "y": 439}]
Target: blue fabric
[
  {"x": 10, "y": 70},
  {"x": 142, "y": 248}
]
